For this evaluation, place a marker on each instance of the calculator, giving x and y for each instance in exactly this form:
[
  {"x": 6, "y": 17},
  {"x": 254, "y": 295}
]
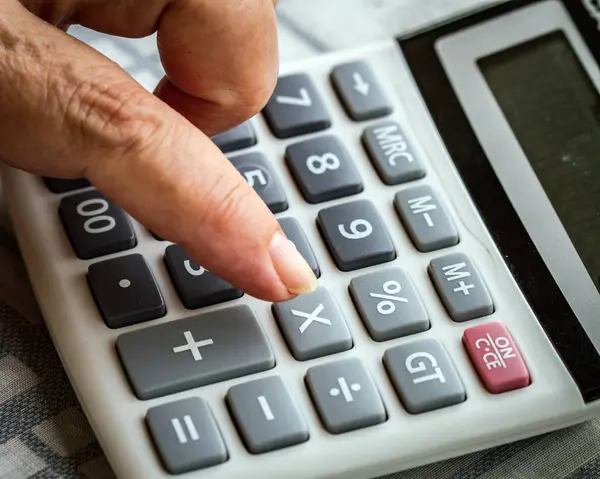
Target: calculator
[{"x": 444, "y": 186}]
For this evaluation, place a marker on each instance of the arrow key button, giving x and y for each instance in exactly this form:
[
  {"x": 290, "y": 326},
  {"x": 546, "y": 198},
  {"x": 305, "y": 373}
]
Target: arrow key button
[{"x": 359, "y": 91}]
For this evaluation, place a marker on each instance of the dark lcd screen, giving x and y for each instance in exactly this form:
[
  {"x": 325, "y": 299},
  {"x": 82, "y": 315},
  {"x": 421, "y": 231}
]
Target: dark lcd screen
[{"x": 554, "y": 112}]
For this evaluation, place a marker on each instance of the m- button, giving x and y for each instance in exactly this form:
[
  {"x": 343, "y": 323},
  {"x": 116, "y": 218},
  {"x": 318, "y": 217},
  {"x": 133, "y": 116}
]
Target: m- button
[
  {"x": 460, "y": 287},
  {"x": 195, "y": 351},
  {"x": 313, "y": 325}
]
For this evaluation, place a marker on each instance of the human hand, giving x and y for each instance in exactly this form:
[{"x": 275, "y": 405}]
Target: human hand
[{"x": 68, "y": 111}]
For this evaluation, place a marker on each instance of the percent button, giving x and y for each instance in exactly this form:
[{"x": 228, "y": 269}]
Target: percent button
[{"x": 389, "y": 304}]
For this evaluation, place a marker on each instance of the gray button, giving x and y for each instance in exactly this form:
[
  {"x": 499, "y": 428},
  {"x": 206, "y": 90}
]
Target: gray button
[
  {"x": 355, "y": 235},
  {"x": 266, "y": 415},
  {"x": 345, "y": 396},
  {"x": 461, "y": 287},
  {"x": 360, "y": 91},
  {"x": 125, "y": 291},
  {"x": 260, "y": 176},
  {"x": 391, "y": 153},
  {"x": 186, "y": 435},
  {"x": 313, "y": 325},
  {"x": 236, "y": 138},
  {"x": 295, "y": 108},
  {"x": 425, "y": 218},
  {"x": 323, "y": 169},
  {"x": 389, "y": 304},
  {"x": 195, "y": 351},
  {"x": 293, "y": 232},
  {"x": 424, "y": 376}
]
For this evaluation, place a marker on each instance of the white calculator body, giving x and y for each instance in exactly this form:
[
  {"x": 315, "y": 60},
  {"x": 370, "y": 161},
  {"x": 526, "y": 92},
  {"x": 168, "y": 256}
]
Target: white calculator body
[{"x": 444, "y": 186}]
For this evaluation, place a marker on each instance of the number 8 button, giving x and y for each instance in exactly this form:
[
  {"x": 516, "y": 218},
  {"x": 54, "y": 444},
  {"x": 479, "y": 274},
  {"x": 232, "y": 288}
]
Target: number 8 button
[
  {"x": 323, "y": 169},
  {"x": 95, "y": 226},
  {"x": 356, "y": 235}
]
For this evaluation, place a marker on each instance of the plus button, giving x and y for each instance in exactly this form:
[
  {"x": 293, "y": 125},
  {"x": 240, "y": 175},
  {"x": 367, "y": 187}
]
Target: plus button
[{"x": 192, "y": 346}]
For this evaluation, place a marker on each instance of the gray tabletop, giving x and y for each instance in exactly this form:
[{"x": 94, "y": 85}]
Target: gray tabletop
[{"x": 43, "y": 432}]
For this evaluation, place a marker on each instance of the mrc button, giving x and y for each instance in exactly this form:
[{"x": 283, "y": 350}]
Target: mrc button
[{"x": 496, "y": 357}]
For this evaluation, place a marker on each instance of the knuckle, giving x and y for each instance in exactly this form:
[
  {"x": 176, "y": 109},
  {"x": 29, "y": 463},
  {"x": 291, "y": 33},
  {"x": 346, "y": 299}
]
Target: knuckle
[
  {"x": 249, "y": 98},
  {"x": 105, "y": 114}
]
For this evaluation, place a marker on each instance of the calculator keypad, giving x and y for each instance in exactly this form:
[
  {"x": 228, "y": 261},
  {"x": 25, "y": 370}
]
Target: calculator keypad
[
  {"x": 229, "y": 342},
  {"x": 356, "y": 235},
  {"x": 95, "y": 225},
  {"x": 186, "y": 435},
  {"x": 195, "y": 351},
  {"x": 359, "y": 91},
  {"x": 424, "y": 376},
  {"x": 125, "y": 291},
  {"x": 266, "y": 415},
  {"x": 389, "y": 304},
  {"x": 345, "y": 396},
  {"x": 236, "y": 138},
  {"x": 255, "y": 168},
  {"x": 391, "y": 153},
  {"x": 425, "y": 218},
  {"x": 296, "y": 108},
  {"x": 323, "y": 169},
  {"x": 196, "y": 286},
  {"x": 461, "y": 287},
  {"x": 313, "y": 325}
]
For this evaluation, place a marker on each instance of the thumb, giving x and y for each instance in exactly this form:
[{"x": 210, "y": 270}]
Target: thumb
[{"x": 91, "y": 119}]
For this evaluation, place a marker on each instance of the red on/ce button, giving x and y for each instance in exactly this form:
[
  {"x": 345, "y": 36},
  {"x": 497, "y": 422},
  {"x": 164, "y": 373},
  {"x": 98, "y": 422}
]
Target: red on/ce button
[{"x": 496, "y": 357}]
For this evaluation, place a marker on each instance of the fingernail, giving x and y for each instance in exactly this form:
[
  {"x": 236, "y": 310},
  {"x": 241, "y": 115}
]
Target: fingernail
[{"x": 291, "y": 267}]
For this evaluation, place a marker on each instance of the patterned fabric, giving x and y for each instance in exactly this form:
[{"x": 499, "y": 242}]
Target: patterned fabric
[{"x": 43, "y": 432}]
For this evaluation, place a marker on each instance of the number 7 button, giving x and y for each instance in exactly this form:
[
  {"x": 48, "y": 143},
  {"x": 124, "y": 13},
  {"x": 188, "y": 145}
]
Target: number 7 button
[
  {"x": 355, "y": 235},
  {"x": 295, "y": 108}
]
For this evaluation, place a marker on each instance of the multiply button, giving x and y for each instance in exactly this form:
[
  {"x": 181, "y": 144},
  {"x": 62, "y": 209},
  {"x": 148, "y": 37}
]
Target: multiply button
[
  {"x": 195, "y": 351},
  {"x": 389, "y": 304},
  {"x": 392, "y": 155},
  {"x": 266, "y": 415},
  {"x": 345, "y": 396},
  {"x": 313, "y": 325},
  {"x": 196, "y": 286},
  {"x": 496, "y": 357},
  {"x": 461, "y": 287},
  {"x": 425, "y": 218},
  {"x": 424, "y": 376},
  {"x": 186, "y": 435}
]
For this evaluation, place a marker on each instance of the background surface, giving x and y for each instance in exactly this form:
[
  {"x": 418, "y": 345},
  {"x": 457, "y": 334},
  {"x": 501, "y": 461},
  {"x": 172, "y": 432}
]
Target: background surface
[{"x": 44, "y": 434}]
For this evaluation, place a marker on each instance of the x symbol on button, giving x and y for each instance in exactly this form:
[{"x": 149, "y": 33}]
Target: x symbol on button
[{"x": 310, "y": 318}]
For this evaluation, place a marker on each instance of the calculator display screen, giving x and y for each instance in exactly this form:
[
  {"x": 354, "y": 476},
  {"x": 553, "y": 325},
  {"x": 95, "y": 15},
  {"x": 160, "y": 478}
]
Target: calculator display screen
[{"x": 554, "y": 112}]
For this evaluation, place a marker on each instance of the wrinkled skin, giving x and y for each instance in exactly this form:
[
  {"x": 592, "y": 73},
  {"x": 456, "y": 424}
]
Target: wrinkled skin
[{"x": 67, "y": 111}]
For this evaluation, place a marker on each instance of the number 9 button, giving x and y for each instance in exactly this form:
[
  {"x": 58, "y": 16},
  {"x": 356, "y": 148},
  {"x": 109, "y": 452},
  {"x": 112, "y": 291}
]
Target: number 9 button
[
  {"x": 323, "y": 169},
  {"x": 355, "y": 235},
  {"x": 95, "y": 226}
]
